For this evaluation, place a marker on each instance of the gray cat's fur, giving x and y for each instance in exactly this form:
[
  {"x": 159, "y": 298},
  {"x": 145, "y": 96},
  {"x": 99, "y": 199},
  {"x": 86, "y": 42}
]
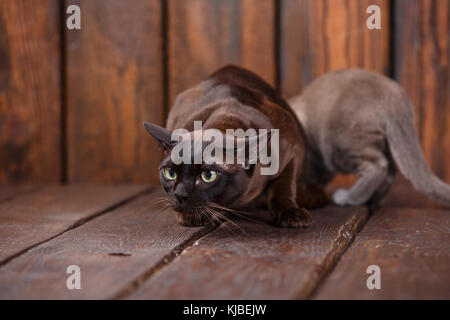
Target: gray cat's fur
[{"x": 363, "y": 123}]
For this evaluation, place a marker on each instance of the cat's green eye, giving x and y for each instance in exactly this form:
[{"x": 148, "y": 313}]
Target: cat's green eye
[
  {"x": 169, "y": 173},
  {"x": 209, "y": 176}
]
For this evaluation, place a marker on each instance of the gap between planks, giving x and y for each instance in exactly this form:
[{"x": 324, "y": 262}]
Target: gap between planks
[
  {"x": 129, "y": 287},
  {"x": 326, "y": 275},
  {"x": 165, "y": 261},
  {"x": 343, "y": 240},
  {"x": 395, "y": 198},
  {"x": 407, "y": 228},
  {"x": 77, "y": 223},
  {"x": 133, "y": 231}
]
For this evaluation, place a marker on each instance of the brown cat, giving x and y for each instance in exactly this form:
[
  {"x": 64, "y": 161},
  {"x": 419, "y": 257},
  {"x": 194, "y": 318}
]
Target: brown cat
[{"x": 235, "y": 98}]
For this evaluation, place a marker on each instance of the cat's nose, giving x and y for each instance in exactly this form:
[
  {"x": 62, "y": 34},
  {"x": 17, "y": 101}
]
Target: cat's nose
[
  {"x": 181, "y": 197},
  {"x": 181, "y": 194}
]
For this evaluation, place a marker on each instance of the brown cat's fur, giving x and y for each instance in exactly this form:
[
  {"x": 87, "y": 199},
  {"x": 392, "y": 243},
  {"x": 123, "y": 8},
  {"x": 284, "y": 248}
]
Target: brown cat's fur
[{"x": 234, "y": 98}]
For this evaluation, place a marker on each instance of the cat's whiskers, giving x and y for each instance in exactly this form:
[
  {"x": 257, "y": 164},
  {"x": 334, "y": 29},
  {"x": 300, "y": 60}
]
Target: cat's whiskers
[
  {"x": 241, "y": 214},
  {"x": 205, "y": 215},
  {"x": 162, "y": 202},
  {"x": 211, "y": 212},
  {"x": 216, "y": 214},
  {"x": 215, "y": 218},
  {"x": 212, "y": 217}
]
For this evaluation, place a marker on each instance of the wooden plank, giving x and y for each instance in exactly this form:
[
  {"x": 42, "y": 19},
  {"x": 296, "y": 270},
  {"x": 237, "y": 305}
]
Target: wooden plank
[
  {"x": 207, "y": 34},
  {"x": 422, "y": 67},
  {"x": 29, "y": 91},
  {"x": 112, "y": 251},
  {"x": 318, "y": 36},
  {"x": 261, "y": 262},
  {"x": 31, "y": 219},
  {"x": 114, "y": 83},
  {"x": 9, "y": 192},
  {"x": 403, "y": 194},
  {"x": 411, "y": 247}
]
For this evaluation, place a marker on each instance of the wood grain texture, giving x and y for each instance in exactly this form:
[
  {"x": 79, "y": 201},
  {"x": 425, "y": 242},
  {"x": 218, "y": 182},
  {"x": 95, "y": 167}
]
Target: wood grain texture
[
  {"x": 36, "y": 217},
  {"x": 411, "y": 247},
  {"x": 422, "y": 67},
  {"x": 207, "y": 34},
  {"x": 29, "y": 92},
  {"x": 114, "y": 83},
  {"x": 403, "y": 194},
  {"x": 318, "y": 36},
  {"x": 260, "y": 262},
  {"x": 8, "y": 193},
  {"x": 112, "y": 251}
]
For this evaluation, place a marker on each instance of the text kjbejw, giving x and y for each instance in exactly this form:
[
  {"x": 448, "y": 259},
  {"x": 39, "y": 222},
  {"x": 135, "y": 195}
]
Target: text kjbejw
[{"x": 233, "y": 310}]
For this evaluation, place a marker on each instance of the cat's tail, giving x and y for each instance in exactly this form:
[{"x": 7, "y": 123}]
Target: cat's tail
[{"x": 407, "y": 153}]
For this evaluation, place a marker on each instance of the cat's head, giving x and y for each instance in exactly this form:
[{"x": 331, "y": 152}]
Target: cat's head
[{"x": 192, "y": 186}]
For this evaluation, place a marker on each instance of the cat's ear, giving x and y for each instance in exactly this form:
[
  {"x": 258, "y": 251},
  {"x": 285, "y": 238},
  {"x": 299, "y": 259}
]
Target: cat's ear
[{"x": 162, "y": 135}]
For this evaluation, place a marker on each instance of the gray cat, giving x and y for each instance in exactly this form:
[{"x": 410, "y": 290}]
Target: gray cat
[{"x": 363, "y": 123}]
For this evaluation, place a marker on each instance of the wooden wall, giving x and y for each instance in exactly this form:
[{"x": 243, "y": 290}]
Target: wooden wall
[
  {"x": 30, "y": 91},
  {"x": 114, "y": 72},
  {"x": 72, "y": 102}
]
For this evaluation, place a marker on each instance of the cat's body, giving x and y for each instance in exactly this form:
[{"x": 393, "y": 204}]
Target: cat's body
[
  {"x": 362, "y": 122},
  {"x": 234, "y": 98}
]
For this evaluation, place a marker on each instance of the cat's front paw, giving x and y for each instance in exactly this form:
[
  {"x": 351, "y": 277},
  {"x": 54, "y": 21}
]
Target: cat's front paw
[
  {"x": 191, "y": 219},
  {"x": 340, "y": 197},
  {"x": 293, "y": 218}
]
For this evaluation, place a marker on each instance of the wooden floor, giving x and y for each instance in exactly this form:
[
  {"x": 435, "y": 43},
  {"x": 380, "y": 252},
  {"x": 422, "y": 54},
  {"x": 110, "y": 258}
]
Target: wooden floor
[{"x": 127, "y": 248}]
